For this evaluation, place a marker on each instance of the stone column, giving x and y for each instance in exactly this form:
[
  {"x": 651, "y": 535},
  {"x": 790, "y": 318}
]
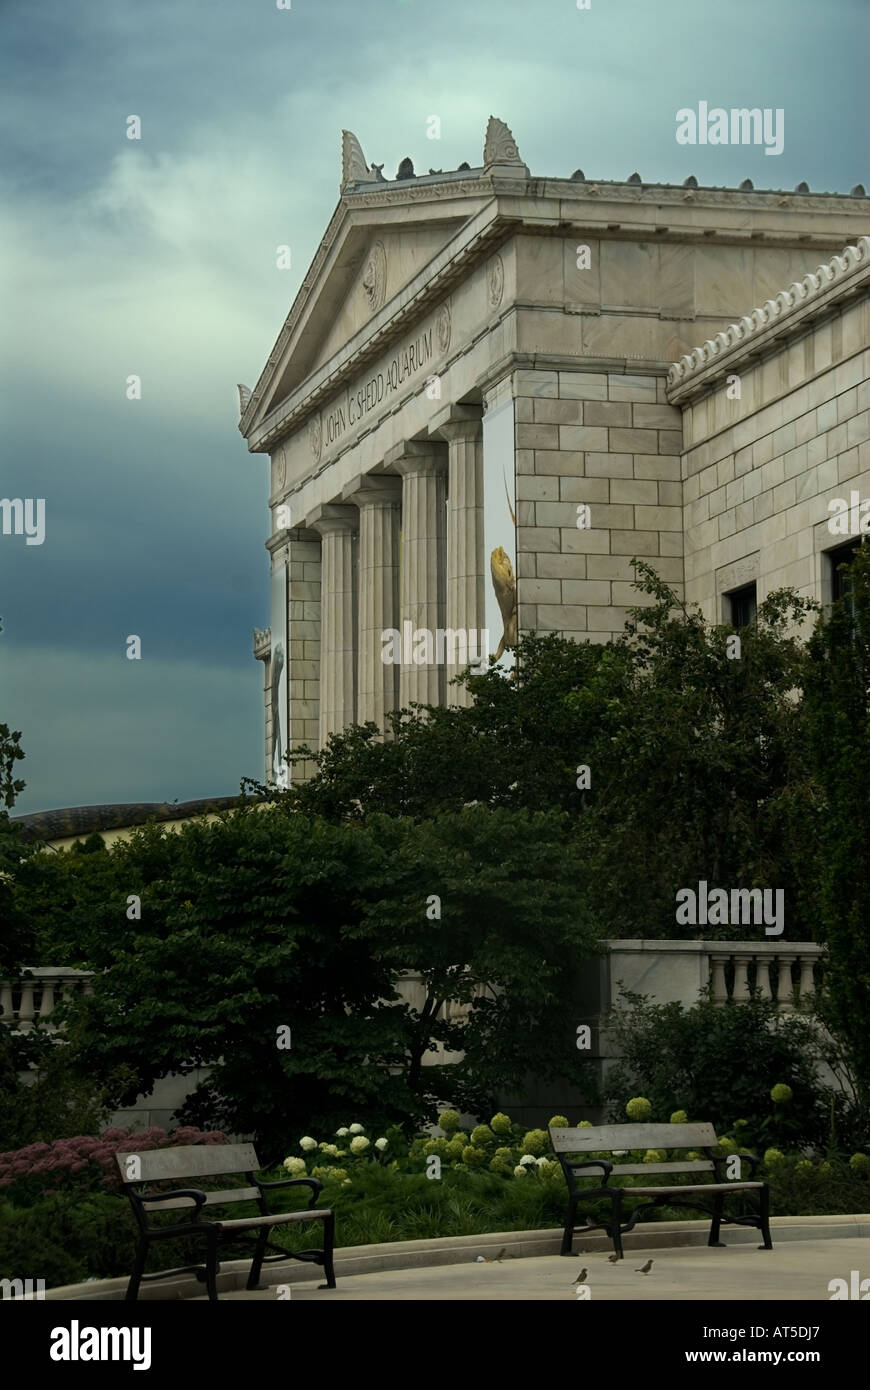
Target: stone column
[
  {"x": 461, "y": 426},
  {"x": 338, "y": 655},
  {"x": 378, "y": 499},
  {"x": 303, "y": 641},
  {"x": 424, "y": 569},
  {"x": 263, "y": 652}
]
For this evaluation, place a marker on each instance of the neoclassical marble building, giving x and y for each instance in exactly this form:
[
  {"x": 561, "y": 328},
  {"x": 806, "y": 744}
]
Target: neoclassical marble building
[{"x": 494, "y": 389}]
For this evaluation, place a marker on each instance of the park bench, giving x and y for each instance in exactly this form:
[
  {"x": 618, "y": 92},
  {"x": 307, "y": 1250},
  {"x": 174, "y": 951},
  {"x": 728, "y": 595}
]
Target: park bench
[
  {"x": 187, "y": 1163},
  {"x": 617, "y": 1139}
]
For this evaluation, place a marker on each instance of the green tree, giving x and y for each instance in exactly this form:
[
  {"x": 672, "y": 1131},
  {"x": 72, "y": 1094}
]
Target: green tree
[
  {"x": 696, "y": 759},
  {"x": 268, "y": 920},
  {"x": 837, "y": 697},
  {"x": 13, "y": 937}
]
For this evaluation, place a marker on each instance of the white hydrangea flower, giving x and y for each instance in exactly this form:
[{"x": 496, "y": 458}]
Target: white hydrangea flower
[
  {"x": 346, "y": 1183},
  {"x": 306, "y": 1142},
  {"x": 541, "y": 1161},
  {"x": 357, "y": 1129},
  {"x": 295, "y": 1165},
  {"x": 380, "y": 1144},
  {"x": 527, "y": 1159},
  {"x": 359, "y": 1145},
  {"x": 340, "y": 1133},
  {"x": 329, "y": 1149},
  {"x": 520, "y": 1171}
]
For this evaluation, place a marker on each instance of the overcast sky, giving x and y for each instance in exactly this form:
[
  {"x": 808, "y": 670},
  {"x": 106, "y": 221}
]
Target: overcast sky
[{"x": 157, "y": 258}]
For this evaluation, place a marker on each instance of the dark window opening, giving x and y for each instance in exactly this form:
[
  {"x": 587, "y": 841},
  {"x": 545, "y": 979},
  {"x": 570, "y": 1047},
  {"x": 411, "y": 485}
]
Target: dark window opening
[
  {"x": 841, "y": 580},
  {"x": 743, "y": 606}
]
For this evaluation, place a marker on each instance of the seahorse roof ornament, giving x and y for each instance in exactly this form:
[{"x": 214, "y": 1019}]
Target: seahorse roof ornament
[
  {"x": 500, "y": 149},
  {"x": 353, "y": 162}
]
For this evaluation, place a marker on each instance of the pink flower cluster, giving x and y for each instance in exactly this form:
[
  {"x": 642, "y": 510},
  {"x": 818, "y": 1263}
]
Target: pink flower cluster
[{"x": 60, "y": 1163}]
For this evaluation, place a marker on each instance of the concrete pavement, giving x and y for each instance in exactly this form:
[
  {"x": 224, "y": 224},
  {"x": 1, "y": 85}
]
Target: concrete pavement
[{"x": 795, "y": 1269}]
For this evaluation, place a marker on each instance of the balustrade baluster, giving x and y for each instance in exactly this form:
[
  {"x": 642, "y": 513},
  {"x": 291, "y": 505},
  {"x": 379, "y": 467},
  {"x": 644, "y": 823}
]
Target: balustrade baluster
[
  {"x": 26, "y": 1011},
  {"x": 46, "y": 1003},
  {"x": 807, "y": 982},
  {"x": 720, "y": 988},
  {"x": 741, "y": 977},
  {"x": 785, "y": 992}
]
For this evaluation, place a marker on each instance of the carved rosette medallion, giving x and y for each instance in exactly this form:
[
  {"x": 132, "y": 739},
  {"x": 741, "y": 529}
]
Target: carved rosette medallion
[
  {"x": 495, "y": 281},
  {"x": 442, "y": 328},
  {"x": 315, "y": 438},
  {"x": 374, "y": 281}
]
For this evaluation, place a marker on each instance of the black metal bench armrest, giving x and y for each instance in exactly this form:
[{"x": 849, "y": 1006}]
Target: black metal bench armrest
[
  {"x": 754, "y": 1162},
  {"x": 568, "y": 1168},
  {"x": 139, "y": 1199},
  {"x": 314, "y": 1183},
  {"x": 719, "y": 1163}
]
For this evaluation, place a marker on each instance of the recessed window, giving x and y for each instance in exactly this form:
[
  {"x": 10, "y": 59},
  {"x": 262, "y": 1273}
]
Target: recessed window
[
  {"x": 841, "y": 581},
  {"x": 743, "y": 606}
]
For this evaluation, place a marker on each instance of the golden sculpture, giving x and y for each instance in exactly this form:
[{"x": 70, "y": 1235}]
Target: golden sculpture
[{"x": 505, "y": 585}]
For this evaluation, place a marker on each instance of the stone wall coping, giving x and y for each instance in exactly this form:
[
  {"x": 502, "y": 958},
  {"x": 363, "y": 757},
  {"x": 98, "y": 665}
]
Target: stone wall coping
[
  {"x": 843, "y": 275},
  {"x": 698, "y": 947}
]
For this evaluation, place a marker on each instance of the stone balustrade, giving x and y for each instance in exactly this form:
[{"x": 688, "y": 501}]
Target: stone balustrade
[
  {"x": 31, "y": 999},
  {"x": 785, "y": 972}
]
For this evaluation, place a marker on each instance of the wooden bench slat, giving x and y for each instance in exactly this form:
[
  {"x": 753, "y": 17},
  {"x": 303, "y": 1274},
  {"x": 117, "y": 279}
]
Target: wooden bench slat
[
  {"x": 190, "y": 1161},
  {"x": 640, "y": 1136},
  {"x": 277, "y": 1219},
  {"x": 693, "y": 1187},
  {"x": 212, "y": 1199},
  {"x": 704, "y": 1166}
]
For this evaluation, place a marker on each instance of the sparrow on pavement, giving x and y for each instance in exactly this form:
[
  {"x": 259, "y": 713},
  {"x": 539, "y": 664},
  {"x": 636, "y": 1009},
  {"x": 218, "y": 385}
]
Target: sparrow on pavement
[
  {"x": 613, "y": 1259},
  {"x": 581, "y": 1276},
  {"x": 645, "y": 1269}
]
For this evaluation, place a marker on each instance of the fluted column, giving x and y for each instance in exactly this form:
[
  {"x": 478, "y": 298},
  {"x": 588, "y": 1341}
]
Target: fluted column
[
  {"x": 424, "y": 570},
  {"x": 378, "y": 499},
  {"x": 338, "y": 656},
  {"x": 462, "y": 429}
]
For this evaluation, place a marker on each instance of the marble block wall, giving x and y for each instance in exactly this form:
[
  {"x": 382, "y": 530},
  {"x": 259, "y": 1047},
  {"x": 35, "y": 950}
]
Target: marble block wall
[
  {"x": 759, "y": 471},
  {"x": 612, "y": 441}
]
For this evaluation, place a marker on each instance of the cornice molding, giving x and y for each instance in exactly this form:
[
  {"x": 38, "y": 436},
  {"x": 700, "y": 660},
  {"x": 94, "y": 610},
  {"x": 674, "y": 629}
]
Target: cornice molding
[
  {"x": 473, "y": 183},
  {"x": 829, "y": 282}
]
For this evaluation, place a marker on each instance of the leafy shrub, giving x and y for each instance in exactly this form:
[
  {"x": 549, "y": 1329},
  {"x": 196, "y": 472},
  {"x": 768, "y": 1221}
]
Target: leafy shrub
[
  {"x": 84, "y": 1164},
  {"x": 716, "y": 1064}
]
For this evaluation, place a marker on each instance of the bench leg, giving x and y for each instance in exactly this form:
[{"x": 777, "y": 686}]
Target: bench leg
[
  {"x": 132, "y": 1293},
  {"x": 257, "y": 1261},
  {"x": 764, "y": 1217},
  {"x": 328, "y": 1243},
  {"x": 616, "y": 1222},
  {"x": 568, "y": 1233},
  {"x": 211, "y": 1267},
  {"x": 718, "y": 1202}
]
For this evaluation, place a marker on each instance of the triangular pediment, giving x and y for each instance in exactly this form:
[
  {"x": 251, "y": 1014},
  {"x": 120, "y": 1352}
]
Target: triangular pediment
[{"x": 377, "y": 243}]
